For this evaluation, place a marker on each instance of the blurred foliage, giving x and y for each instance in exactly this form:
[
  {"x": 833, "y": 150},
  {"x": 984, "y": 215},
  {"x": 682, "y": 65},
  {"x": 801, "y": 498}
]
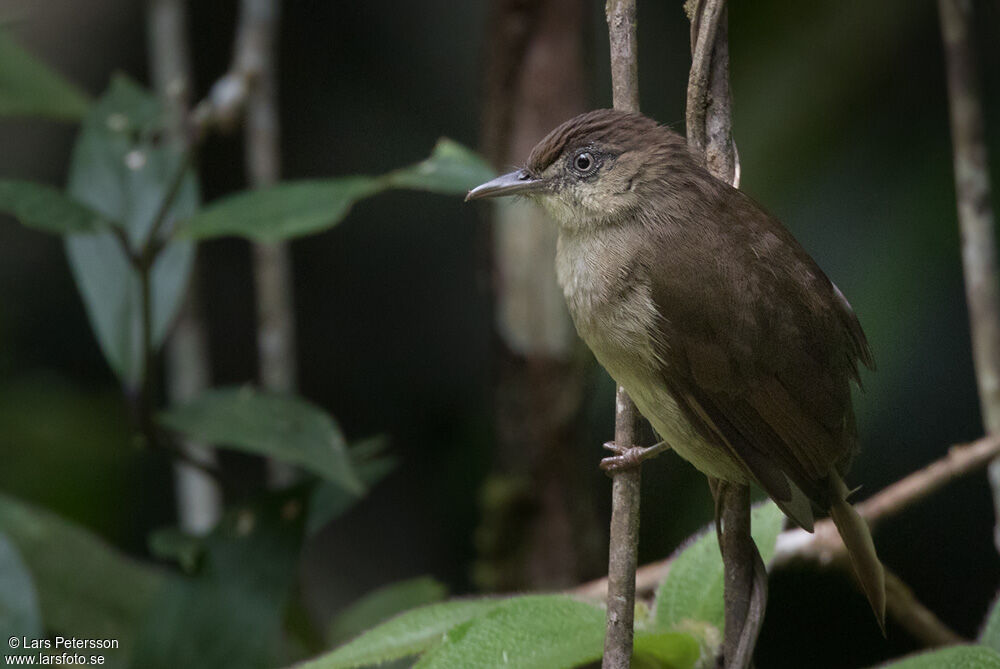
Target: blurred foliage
[{"x": 28, "y": 87}]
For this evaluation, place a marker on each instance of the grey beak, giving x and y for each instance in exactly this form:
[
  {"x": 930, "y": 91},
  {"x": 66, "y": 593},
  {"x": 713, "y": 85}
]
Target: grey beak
[{"x": 511, "y": 183}]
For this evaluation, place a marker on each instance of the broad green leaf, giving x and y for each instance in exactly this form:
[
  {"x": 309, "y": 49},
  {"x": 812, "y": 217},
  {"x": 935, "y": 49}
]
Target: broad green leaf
[
  {"x": 230, "y": 614},
  {"x": 29, "y": 87},
  {"x": 955, "y": 657},
  {"x": 47, "y": 209},
  {"x": 329, "y": 500},
  {"x": 121, "y": 171},
  {"x": 379, "y": 605},
  {"x": 693, "y": 587},
  {"x": 451, "y": 169},
  {"x": 296, "y": 208},
  {"x": 990, "y": 634},
  {"x": 19, "y": 616},
  {"x": 530, "y": 632},
  {"x": 280, "y": 212},
  {"x": 98, "y": 594},
  {"x": 407, "y": 634},
  {"x": 671, "y": 650},
  {"x": 279, "y": 426}
]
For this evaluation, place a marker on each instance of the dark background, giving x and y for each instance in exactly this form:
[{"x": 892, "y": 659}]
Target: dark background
[{"x": 841, "y": 120}]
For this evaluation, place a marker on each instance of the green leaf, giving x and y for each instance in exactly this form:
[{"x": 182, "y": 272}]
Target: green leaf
[
  {"x": 19, "y": 615},
  {"x": 330, "y": 500},
  {"x": 29, "y": 87},
  {"x": 530, "y": 632},
  {"x": 379, "y": 605},
  {"x": 297, "y": 208},
  {"x": 230, "y": 615},
  {"x": 693, "y": 587},
  {"x": 123, "y": 173},
  {"x": 451, "y": 169},
  {"x": 990, "y": 634},
  {"x": 98, "y": 594},
  {"x": 47, "y": 209},
  {"x": 407, "y": 634},
  {"x": 955, "y": 657},
  {"x": 280, "y": 212},
  {"x": 279, "y": 426},
  {"x": 671, "y": 650}
]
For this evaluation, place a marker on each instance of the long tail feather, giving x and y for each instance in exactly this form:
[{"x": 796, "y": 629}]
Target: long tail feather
[{"x": 858, "y": 540}]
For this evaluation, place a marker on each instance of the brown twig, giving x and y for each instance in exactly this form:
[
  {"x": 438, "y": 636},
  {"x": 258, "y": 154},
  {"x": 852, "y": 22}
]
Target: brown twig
[
  {"x": 626, "y": 482},
  {"x": 709, "y": 132},
  {"x": 975, "y": 214}
]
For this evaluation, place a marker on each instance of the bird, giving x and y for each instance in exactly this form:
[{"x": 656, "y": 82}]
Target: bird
[{"x": 724, "y": 331}]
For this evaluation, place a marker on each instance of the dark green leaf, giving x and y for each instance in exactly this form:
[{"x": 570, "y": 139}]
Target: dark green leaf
[
  {"x": 298, "y": 208},
  {"x": 671, "y": 650},
  {"x": 379, "y": 605},
  {"x": 47, "y": 209},
  {"x": 280, "y": 212},
  {"x": 530, "y": 632},
  {"x": 693, "y": 588},
  {"x": 279, "y": 426},
  {"x": 407, "y": 634},
  {"x": 230, "y": 615},
  {"x": 121, "y": 172},
  {"x": 19, "y": 616},
  {"x": 329, "y": 500},
  {"x": 171, "y": 543},
  {"x": 451, "y": 169},
  {"x": 956, "y": 657},
  {"x": 990, "y": 634},
  {"x": 98, "y": 594},
  {"x": 28, "y": 87}
]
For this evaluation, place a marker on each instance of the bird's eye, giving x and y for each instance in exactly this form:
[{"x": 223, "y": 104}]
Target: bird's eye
[{"x": 584, "y": 162}]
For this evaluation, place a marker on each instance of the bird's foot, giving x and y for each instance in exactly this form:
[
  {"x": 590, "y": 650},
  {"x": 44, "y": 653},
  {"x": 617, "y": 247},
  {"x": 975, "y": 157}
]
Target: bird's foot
[{"x": 626, "y": 458}]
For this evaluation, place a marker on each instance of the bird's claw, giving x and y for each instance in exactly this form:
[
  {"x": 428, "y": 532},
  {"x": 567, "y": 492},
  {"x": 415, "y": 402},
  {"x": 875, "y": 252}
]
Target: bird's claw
[{"x": 626, "y": 458}]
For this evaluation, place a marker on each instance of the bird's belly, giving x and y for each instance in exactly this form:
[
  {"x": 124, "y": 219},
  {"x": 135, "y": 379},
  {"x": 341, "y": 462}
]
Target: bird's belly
[{"x": 642, "y": 381}]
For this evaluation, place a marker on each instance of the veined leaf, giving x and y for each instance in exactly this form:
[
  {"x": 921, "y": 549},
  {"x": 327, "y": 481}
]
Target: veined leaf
[
  {"x": 46, "y": 209},
  {"x": 694, "y": 586},
  {"x": 279, "y": 426},
  {"x": 529, "y": 632},
  {"x": 407, "y": 634},
  {"x": 296, "y": 208},
  {"x": 383, "y": 603},
  {"x": 123, "y": 174}
]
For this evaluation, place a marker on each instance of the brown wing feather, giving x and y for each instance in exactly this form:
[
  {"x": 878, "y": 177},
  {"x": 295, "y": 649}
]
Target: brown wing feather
[{"x": 760, "y": 356}]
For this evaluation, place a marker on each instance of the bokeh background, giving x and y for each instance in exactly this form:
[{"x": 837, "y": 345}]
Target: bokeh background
[{"x": 841, "y": 121}]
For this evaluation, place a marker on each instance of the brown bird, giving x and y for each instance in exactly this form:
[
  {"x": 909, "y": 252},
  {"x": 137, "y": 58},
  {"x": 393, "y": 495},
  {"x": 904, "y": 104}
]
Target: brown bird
[{"x": 726, "y": 334}]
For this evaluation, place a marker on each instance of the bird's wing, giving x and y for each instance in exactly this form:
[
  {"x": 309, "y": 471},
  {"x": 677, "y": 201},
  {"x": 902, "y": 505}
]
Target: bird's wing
[{"x": 759, "y": 347}]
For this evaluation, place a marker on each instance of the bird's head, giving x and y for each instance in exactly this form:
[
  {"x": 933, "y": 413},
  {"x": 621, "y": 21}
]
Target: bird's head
[{"x": 595, "y": 168}]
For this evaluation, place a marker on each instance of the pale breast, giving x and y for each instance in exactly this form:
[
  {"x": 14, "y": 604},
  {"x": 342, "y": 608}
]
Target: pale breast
[{"x": 614, "y": 314}]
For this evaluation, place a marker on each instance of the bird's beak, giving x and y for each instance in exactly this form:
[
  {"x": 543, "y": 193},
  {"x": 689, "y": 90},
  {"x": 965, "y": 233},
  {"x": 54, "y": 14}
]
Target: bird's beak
[{"x": 518, "y": 182}]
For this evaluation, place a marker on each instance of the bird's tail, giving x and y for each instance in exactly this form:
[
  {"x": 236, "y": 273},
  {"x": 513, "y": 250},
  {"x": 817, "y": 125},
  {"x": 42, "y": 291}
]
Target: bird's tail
[{"x": 858, "y": 540}]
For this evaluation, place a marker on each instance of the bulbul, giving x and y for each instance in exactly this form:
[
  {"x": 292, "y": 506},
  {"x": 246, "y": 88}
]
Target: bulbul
[{"x": 725, "y": 333}]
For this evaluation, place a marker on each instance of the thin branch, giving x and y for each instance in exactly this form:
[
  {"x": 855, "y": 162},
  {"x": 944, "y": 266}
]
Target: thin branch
[
  {"x": 975, "y": 214},
  {"x": 626, "y": 482},
  {"x": 198, "y": 495},
  {"x": 705, "y": 18},
  {"x": 272, "y": 263}
]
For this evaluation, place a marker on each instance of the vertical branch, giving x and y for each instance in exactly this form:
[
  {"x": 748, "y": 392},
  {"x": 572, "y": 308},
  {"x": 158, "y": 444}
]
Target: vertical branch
[
  {"x": 272, "y": 265},
  {"x": 626, "y": 482},
  {"x": 197, "y": 495},
  {"x": 975, "y": 214},
  {"x": 709, "y": 128}
]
